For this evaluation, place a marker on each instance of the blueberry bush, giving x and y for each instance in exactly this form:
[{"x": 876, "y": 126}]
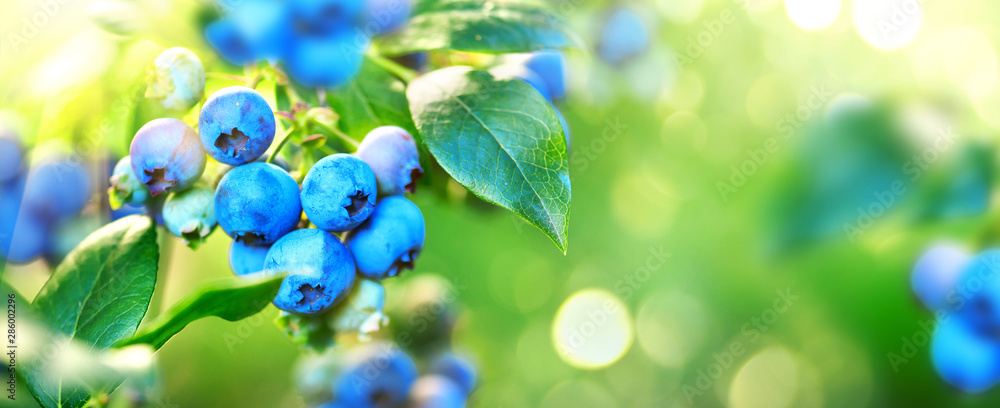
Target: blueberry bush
[{"x": 332, "y": 113}]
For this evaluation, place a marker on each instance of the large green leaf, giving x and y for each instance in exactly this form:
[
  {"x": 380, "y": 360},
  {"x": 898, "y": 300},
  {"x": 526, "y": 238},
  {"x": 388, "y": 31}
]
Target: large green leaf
[
  {"x": 231, "y": 299},
  {"x": 500, "y": 139},
  {"x": 487, "y": 26},
  {"x": 373, "y": 98},
  {"x": 97, "y": 296}
]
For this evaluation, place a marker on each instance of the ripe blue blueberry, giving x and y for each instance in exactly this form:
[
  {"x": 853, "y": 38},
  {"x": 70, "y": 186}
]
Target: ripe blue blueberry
[
  {"x": 56, "y": 188},
  {"x": 177, "y": 80},
  {"x": 167, "y": 156},
  {"x": 190, "y": 214},
  {"x": 936, "y": 273},
  {"x": 519, "y": 71},
  {"x": 339, "y": 192},
  {"x": 390, "y": 240},
  {"x": 551, "y": 68},
  {"x": 392, "y": 154},
  {"x": 433, "y": 391},
  {"x": 623, "y": 37},
  {"x": 23, "y": 234},
  {"x": 964, "y": 358},
  {"x": 125, "y": 188},
  {"x": 324, "y": 17},
  {"x": 320, "y": 270},
  {"x": 376, "y": 375},
  {"x": 263, "y": 25},
  {"x": 327, "y": 61},
  {"x": 246, "y": 259},
  {"x": 11, "y": 157},
  {"x": 224, "y": 35},
  {"x": 257, "y": 203},
  {"x": 384, "y": 16},
  {"x": 361, "y": 311},
  {"x": 236, "y": 125},
  {"x": 456, "y": 368},
  {"x": 979, "y": 302}
]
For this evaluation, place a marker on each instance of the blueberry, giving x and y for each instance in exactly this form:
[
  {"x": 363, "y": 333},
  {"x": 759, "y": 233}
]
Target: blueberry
[
  {"x": 339, "y": 192},
  {"x": 964, "y": 358},
  {"x": 167, "y": 156},
  {"x": 390, "y": 240},
  {"x": 56, "y": 188},
  {"x": 433, "y": 391},
  {"x": 125, "y": 188},
  {"x": 936, "y": 273},
  {"x": 519, "y": 71},
  {"x": 324, "y": 17},
  {"x": 224, "y": 35},
  {"x": 246, "y": 259},
  {"x": 177, "y": 80},
  {"x": 392, "y": 154},
  {"x": 23, "y": 234},
  {"x": 329, "y": 61},
  {"x": 384, "y": 16},
  {"x": 456, "y": 368},
  {"x": 320, "y": 268},
  {"x": 376, "y": 375},
  {"x": 361, "y": 311},
  {"x": 263, "y": 25},
  {"x": 551, "y": 68},
  {"x": 190, "y": 214},
  {"x": 236, "y": 125},
  {"x": 623, "y": 37},
  {"x": 257, "y": 203},
  {"x": 11, "y": 157},
  {"x": 979, "y": 285}
]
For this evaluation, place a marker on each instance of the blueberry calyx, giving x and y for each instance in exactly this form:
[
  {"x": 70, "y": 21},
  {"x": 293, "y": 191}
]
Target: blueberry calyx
[
  {"x": 358, "y": 202},
  {"x": 415, "y": 175},
  {"x": 232, "y": 142},
  {"x": 158, "y": 182},
  {"x": 310, "y": 294},
  {"x": 249, "y": 238}
]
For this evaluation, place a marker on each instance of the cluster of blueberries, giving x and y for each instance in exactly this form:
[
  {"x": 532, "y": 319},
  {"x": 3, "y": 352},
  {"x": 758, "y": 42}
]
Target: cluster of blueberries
[
  {"x": 260, "y": 205},
  {"x": 321, "y": 43},
  {"x": 964, "y": 292},
  {"x": 381, "y": 375}
]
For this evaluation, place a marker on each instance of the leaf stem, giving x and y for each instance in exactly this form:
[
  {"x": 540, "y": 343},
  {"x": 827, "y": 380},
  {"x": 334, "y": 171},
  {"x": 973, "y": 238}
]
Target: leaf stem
[
  {"x": 343, "y": 136},
  {"x": 277, "y": 149},
  {"x": 404, "y": 73}
]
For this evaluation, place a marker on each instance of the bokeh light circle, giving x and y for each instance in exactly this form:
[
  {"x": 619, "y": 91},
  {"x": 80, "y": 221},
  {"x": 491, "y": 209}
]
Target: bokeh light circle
[
  {"x": 768, "y": 379},
  {"x": 887, "y": 24},
  {"x": 811, "y": 15},
  {"x": 671, "y": 328},
  {"x": 592, "y": 329}
]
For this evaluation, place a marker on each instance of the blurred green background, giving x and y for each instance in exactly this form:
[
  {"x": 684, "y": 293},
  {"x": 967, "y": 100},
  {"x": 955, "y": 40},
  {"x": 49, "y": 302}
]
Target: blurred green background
[{"x": 739, "y": 285}]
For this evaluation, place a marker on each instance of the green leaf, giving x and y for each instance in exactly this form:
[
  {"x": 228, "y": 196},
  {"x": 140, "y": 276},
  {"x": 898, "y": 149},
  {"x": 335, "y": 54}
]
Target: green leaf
[
  {"x": 500, "y": 139},
  {"x": 231, "y": 299},
  {"x": 486, "y": 26},
  {"x": 373, "y": 98},
  {"x": 97, "y": 296}
]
